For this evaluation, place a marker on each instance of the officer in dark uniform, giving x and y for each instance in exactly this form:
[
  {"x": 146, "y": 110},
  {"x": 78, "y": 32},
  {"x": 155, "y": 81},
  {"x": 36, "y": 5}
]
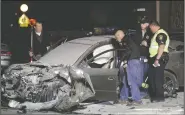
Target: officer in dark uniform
[
  {"x": 131, "y": 55},
  {"x": 142, "y": 38},
  {"x": 158, "y": 59}
]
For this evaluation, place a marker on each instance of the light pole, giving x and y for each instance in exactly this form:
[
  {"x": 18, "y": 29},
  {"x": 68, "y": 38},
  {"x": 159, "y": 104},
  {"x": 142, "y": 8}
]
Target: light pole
[
  {"x": 158, "y": 10},
  {"x": 24, "y": 8}
]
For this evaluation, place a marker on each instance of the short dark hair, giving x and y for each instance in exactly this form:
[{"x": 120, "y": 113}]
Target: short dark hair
[
  {"x": 154, "y": 22},
  {"x": 38, "y": 22}
]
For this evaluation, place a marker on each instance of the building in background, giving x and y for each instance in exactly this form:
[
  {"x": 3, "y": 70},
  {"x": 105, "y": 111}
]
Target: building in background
[{"x": 170, "y": 14}]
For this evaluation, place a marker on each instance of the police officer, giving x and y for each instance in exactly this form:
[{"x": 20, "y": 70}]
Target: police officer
[
  {"x": 158, "y": 59},
  {"x": 131, "y": 83},
  {"x": 142, "y": 39}
]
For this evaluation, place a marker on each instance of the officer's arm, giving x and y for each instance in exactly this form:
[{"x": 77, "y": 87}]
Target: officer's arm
[
  {"x": 127, "y": 52},
  {"x": 161, "y": 40},
  {"x": 114, "y": 43}
]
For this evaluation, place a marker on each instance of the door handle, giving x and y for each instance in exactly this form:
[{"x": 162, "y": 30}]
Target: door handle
[{"x": 110, "y": 78}]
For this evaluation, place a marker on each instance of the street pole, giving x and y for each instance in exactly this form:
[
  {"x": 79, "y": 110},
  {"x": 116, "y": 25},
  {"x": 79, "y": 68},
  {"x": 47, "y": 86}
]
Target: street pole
[
  {"x": 158, "y": 10},
  {"x": 31, "y": 43}
]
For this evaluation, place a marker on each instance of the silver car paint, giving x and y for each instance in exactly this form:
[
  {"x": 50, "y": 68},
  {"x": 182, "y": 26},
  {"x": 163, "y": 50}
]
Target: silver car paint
[{"x": 69, "y": 52}]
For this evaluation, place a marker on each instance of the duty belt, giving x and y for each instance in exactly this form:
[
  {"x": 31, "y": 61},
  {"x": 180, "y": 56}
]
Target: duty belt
[{"x": 145, "y": 60}]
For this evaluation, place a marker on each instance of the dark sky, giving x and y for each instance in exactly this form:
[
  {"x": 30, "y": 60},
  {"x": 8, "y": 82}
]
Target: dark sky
[
  {"x": 64, "y": 16},
  {"x": 72, "y": 15}
]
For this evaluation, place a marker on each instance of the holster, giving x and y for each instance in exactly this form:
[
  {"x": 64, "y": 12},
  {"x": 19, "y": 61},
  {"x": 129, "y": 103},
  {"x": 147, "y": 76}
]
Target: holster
[{"x": 164, "y": 58}]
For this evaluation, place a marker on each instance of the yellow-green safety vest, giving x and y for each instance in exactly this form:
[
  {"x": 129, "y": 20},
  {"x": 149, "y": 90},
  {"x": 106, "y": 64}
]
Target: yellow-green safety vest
[{"x": 153, "y": 50}]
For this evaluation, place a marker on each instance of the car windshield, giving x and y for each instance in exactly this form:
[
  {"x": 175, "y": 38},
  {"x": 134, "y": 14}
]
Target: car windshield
[{"x": 66, "y": 54}]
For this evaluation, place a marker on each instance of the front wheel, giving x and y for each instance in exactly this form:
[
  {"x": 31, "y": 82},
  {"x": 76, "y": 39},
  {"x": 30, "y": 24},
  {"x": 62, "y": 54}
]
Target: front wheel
[{"x": 170, "y": 83}]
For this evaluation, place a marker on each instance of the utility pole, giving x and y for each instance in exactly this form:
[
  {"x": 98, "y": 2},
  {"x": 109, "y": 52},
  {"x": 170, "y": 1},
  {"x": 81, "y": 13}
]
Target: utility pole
[{"x": 158, "y": 10}]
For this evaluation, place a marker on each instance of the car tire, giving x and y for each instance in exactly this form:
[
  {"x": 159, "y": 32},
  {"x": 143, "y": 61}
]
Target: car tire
[{"x": 170, "y": 83}]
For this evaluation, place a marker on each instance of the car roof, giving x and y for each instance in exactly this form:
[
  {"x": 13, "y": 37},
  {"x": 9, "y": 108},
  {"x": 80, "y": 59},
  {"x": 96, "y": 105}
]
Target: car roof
[{"x": 69, "y": 52}]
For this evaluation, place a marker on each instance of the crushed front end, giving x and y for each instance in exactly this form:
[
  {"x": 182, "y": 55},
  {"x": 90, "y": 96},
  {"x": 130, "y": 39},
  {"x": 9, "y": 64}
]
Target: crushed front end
[{"x": 38, "y": 87}]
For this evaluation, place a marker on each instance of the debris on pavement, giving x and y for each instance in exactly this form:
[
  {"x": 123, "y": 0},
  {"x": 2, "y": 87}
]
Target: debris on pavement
[
  {"x": 132, "y": 108},
  {"x": 39, "y": 87}
]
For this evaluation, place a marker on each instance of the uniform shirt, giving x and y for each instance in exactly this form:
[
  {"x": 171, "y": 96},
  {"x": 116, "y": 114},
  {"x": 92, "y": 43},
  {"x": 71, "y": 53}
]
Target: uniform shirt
[
  {"x": 139, "y": 37},
  {"x": 161, "y": 40}
]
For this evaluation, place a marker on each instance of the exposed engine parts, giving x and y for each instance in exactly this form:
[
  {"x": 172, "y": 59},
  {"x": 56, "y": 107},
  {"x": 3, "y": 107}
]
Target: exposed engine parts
[{"x": 37, "y": 88}]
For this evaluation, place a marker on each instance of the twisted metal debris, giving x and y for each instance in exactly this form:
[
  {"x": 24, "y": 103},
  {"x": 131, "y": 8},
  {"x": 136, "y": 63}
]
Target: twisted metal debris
[{"x": 40, "y": 87}]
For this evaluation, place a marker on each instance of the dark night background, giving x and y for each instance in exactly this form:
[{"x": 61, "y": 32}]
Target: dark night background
[
  {"x": 73, "y": 15},
  {"x": 67, "y": 16}
]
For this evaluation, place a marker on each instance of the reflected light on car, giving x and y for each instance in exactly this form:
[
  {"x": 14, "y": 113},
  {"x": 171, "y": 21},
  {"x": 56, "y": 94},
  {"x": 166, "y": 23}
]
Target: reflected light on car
[
  {"x": 57, "y": 72},
  {"x": 79, "y": 72},
  {"x": 5, "y": 53}
]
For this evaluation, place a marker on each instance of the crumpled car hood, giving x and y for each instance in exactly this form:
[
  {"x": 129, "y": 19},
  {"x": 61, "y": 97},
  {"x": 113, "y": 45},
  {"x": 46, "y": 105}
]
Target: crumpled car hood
[{"x": 40, "y": 87}]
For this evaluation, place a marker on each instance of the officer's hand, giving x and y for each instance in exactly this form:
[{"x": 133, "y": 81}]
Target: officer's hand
[
  {"x": 144, "y": 43},
  {"x": 124, "y": 64},
  {"x": 31, "y": 54},
  {"x": 156, "y": 63}
]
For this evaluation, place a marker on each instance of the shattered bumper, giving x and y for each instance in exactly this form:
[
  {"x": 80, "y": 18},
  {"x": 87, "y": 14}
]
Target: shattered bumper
[{"x": 43, "y": 88}]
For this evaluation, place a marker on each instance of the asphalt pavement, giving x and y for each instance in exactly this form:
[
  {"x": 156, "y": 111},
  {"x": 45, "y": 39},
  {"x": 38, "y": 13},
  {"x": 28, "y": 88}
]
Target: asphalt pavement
[{"x": 170, "y": 106}]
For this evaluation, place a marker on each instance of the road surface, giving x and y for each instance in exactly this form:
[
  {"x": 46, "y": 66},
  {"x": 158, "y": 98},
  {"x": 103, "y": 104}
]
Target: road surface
[{"x": 170, "y": 106}]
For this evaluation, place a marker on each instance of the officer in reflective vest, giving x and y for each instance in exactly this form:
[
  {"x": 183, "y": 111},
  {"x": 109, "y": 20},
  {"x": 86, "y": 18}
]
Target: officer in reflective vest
[{"x": 158, "y": 59}]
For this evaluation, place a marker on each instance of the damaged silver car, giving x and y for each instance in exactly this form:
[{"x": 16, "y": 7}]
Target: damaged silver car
[
  {"x": 75, "y": 71},
  {"x": 62, "y": 78}
]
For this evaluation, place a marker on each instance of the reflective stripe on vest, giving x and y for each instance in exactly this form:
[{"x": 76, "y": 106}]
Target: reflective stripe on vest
[{"x": 153, "y": 50}]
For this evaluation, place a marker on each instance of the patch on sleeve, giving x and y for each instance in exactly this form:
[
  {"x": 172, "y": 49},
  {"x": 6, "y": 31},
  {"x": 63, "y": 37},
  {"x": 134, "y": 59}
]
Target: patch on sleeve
[{"x": 160, "y": 37}]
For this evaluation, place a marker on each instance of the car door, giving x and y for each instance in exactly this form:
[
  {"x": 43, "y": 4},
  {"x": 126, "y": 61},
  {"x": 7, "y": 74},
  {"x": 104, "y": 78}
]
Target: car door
[
  {"x": 104, "y": 82},
  {"x": 103, "y": 78}
]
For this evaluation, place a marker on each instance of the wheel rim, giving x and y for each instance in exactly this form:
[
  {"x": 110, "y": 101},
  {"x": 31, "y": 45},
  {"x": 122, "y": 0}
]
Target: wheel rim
[{"x": 168, "y": 84}]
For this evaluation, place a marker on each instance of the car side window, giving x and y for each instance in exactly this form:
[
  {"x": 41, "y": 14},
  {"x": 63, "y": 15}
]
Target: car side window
[{"x": 101, "y": 57}]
